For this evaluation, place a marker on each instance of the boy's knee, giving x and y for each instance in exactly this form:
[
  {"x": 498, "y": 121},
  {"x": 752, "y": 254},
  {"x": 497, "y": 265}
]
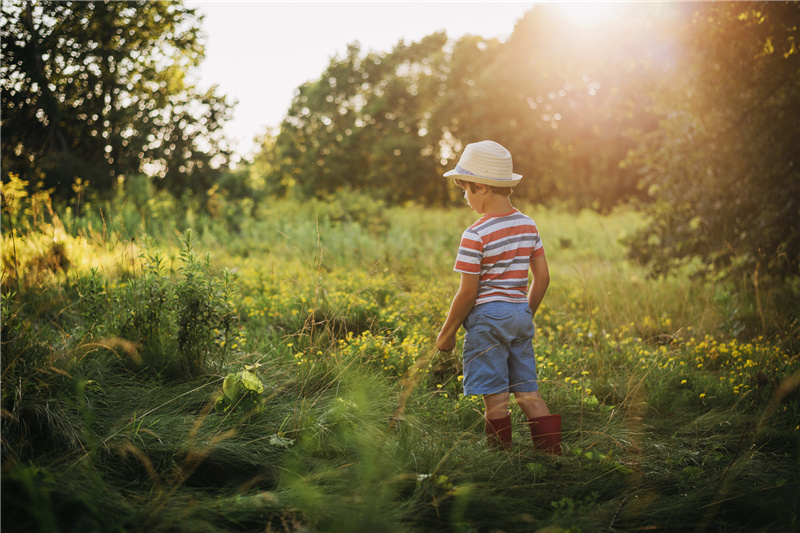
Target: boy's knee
[
  {"x": 495, "y": 405},
  {"x": 532, "y": 396}
]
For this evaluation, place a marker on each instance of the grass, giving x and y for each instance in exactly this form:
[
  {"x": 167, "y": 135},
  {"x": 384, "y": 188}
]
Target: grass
[{"x": 674, "y": 418}]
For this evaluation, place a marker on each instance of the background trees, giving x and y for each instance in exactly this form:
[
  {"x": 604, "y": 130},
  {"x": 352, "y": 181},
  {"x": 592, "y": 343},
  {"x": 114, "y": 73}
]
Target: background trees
[
  {"x": 365, "y": 125},
  {"x": 690, "y": 109},
  {"x": 723, "y": 166},
  {"x": 99, "y": 90},
  {"x": 569, "y": 105}
]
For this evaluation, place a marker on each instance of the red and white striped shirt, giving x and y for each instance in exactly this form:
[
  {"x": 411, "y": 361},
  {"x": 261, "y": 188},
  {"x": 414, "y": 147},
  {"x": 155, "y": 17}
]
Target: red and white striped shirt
[{"x": 500, "y": 249}]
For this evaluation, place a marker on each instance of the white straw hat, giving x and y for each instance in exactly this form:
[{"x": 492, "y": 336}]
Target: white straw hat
[{"x": 485, "y": 162}]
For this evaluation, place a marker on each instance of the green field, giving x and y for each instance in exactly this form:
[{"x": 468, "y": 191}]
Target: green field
[{"x": 277, "y": 372}]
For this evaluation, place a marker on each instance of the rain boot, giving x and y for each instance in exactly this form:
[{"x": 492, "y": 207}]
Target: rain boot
[
  {"x": 498, "y": 433},
  {"x": 546, "y": 433}
]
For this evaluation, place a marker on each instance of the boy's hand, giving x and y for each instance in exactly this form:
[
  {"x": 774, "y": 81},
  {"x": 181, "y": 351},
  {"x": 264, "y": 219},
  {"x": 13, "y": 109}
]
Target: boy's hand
[{"x": 446, "y": 343}]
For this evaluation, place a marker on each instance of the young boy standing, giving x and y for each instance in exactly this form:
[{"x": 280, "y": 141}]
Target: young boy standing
[{"x": 493, "y": 301}]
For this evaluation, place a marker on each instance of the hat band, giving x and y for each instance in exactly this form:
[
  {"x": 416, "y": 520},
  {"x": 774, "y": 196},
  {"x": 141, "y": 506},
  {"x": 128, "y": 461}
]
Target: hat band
[{"x": 461, "y": 170}]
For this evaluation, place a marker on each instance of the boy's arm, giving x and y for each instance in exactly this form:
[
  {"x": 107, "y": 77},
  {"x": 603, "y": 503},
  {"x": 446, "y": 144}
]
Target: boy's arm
[
  {"x": 459, "y": 310},
  {"x": 541, "y": 279}
]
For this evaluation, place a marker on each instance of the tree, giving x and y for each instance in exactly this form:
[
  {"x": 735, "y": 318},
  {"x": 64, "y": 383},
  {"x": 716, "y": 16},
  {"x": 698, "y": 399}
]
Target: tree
[
  {"x": 568, "y": 116},
  {"x": 99, "y": 90},
  {"x": 363, "y": 125},
  {"x": 724, "y": 167},
  {"x": 567, "y": 101}
]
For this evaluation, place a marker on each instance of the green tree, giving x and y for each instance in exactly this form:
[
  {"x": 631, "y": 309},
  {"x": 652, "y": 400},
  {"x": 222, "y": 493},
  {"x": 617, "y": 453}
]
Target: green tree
[
  {"x": 99, "y": 90},
  {"x": 724, "y": 165},
  {"x": 364, "y": 125},
  {"x": 569, "y": 104},
  {"x": 567, "y": 101}
]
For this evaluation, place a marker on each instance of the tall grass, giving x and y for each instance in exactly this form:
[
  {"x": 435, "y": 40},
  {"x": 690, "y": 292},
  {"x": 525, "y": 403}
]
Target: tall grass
[{"x": 114, "y": 364}]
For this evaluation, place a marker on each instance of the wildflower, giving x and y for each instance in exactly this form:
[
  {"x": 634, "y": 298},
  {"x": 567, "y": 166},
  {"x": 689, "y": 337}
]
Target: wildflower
[{"x": 703, "y": 395}]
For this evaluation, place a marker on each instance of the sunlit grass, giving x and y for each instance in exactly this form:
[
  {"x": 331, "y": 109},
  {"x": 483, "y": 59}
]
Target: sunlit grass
[{"x": 669, "y": 416}]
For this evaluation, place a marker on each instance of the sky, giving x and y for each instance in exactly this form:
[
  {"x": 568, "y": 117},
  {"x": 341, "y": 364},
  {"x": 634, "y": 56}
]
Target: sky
[{"x": 259, "y": 52}]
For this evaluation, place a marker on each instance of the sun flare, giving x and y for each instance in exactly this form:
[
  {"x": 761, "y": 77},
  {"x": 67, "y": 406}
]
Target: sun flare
[{"x": 588, "y": 15}]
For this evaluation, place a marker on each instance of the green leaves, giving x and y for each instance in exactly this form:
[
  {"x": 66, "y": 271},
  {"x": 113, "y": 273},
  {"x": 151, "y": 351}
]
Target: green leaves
[
  {"x": 205, "y": 313},
  {"x": 242, "y": 391},
  {"x": 724, "y": 167},
  {"x": 596, "y": 459},
  {"x": 98, "y": 90},
  {"x": 363, "y": 121}
]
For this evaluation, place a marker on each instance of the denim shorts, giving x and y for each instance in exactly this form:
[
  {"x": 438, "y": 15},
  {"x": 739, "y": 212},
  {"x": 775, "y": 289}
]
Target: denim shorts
[{"x": 498, "y": 349}]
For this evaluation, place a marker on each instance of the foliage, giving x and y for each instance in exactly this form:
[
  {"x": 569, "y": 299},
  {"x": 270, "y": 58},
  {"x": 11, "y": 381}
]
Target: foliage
[
  {"x": 567, "y": 101},
  {"x": 184, "y": 323},
  {"x": 240, "y": 391},
  {"x": 366, "y": 119},
  {"x": 723, "y": 164},
  {"x": 670, "y": 420},
  {"x": 96, "y": 91},
  {"x": 568, "y": 117},
  {"x": 205, "y": 312}
]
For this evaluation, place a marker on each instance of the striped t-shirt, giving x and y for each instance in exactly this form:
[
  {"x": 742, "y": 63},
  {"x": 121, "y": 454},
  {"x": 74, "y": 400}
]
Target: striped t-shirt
[{"x": 500, "y": 249}]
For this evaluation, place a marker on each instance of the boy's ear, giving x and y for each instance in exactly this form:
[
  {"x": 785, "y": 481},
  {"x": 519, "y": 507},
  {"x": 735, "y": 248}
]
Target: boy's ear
[{"x": 483, "y": 189}]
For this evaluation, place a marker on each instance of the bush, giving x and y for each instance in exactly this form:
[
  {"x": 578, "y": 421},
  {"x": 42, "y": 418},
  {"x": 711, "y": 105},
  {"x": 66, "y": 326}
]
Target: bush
[{"x": 183, "y": 324}]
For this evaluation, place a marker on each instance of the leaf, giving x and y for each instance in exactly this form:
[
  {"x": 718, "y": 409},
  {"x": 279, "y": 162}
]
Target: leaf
[
  {"x": 591, "y": 401},
  {"x": 280, "y": 441},
  {"x": 251, "y": 382},
  {"x": 768, "y": 47},
  {"x": 537, "y": 469},
  {"x": 222, "y": 404},
  {"x": 230, "y": 387},
  {"x": 624, "y": 469}
]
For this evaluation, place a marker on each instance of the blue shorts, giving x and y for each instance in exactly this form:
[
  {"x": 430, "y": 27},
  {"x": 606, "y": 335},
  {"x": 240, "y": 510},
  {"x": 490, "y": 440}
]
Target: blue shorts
[{"x": 498, "y": 349}]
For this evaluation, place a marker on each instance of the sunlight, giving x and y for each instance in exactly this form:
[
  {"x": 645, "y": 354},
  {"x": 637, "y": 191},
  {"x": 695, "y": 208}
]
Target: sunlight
[{"x": 589, "y": 15}]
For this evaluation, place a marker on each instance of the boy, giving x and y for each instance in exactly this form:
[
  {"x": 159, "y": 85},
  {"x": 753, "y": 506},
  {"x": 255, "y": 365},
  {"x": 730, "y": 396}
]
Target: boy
[{"x": 493, "y": 301}]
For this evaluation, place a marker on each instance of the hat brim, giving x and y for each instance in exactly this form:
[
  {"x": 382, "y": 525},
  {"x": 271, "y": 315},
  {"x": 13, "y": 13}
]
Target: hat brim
[{"x": 455, "y": 174}]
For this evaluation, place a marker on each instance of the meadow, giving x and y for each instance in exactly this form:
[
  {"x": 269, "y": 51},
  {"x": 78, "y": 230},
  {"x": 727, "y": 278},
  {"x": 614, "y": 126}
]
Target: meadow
[{"x": 231, "y": 367}]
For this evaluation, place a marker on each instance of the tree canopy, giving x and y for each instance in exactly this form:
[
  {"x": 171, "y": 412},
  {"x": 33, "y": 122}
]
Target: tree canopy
[
  {"x": 689, "y": 108},
  {"x": 99, "y": 90},
  {"x": 723, "y": 166},
  {"x": 389, "y": 123},
  {"x": 365, "y": 125}
]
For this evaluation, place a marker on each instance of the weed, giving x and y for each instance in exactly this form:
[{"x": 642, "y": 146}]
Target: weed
[{"x": 204, "y": 311}]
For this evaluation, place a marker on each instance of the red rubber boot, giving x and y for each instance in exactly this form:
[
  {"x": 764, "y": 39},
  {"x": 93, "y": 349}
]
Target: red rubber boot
[
  {"x": 546, "y": 433},
  {"x": 498, "y": 433}
]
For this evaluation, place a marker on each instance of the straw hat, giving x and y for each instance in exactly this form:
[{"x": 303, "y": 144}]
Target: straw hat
[{"x": 485, "y": 162}]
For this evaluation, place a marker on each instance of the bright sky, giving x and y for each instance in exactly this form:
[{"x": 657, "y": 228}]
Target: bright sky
[{"x": 259, "y": 52}]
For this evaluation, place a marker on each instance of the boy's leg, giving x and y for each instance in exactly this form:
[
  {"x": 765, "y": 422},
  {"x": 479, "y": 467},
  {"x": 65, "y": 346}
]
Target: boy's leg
[
  {"x": 498, "y": 420},
  {"x": 546, "y": 433},
  {"x": 495, "y": 405},
  {"x": 545, "y": 428},
  {"x": 532, "y": 404}
]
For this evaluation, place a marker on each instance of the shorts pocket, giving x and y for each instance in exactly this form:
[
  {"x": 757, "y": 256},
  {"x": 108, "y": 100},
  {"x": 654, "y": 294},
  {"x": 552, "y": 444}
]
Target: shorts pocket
[
  {"x": 472, "y": 317},
  {"x": 498, "y": 313}
]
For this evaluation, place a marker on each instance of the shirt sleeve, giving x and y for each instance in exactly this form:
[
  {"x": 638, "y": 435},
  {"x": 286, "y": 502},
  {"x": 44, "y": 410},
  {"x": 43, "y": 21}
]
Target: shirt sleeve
[{"x": 470, "y": 253}]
